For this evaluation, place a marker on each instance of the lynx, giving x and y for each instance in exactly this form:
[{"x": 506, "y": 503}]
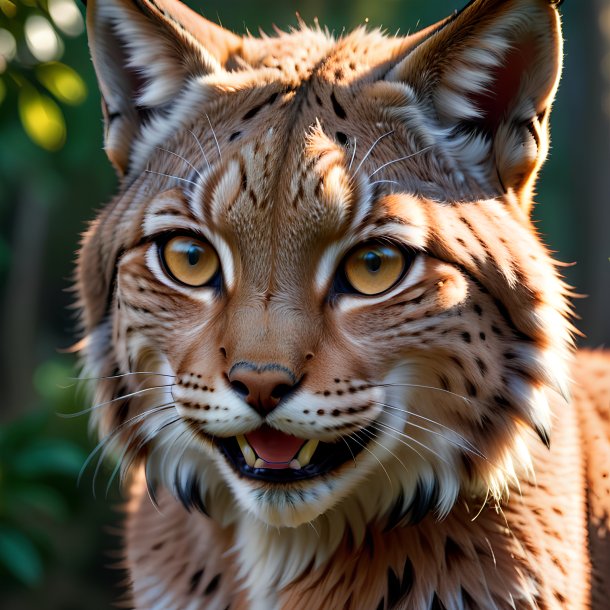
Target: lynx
[{"x": 332, "y": 354}]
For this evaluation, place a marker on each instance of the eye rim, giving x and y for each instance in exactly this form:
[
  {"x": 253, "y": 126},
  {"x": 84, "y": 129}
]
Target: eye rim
[
  {"x": 163, "y": 241},
  {"x": 341, "y": 283}
]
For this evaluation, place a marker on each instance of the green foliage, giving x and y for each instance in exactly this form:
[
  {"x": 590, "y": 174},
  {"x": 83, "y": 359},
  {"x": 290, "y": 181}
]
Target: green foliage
[
  {"x": 30, "y": 463},
  {"x": 31, "y": 43}
]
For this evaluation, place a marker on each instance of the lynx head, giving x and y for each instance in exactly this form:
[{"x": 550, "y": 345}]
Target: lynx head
[{"x": 318, "y": 287}]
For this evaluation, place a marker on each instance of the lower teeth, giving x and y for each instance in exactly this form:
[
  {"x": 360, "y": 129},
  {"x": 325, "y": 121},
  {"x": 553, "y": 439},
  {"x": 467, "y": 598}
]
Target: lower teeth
[
  {"x": 248, "y": 452},
  {"x": 300, "y": 461}
]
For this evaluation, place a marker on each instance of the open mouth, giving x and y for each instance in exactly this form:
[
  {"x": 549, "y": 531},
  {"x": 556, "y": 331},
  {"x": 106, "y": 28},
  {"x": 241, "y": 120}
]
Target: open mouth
[{"x": 270, "y": 455}]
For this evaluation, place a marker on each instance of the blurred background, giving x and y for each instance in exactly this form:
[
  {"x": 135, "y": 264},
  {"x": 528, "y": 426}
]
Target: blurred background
[{"x": 57, "y": 539}]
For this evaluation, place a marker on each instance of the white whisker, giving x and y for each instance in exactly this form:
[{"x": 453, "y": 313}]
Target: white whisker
[
  {"x": 108, "y": 402},
  {"x": 467, "y": 445},
  {"x": 384, "y": 182},
  {"x": 150, "y": 171},
  {"x": 373, "y": 437},
  {"x": 215, "y": 138},
  {"x": 426, "y": 387},
  {"x": 363, "y": 445},
  {"x": 414, "y": 440},
  {"x": 120, "y": 375},
  {"x": 370, "y": 150},
  {"x": 419, "y": 152},
  {"x": 181, "y": 158},
  {"x": 205, "y": 157},
  {"x": 349, "y": 167}
]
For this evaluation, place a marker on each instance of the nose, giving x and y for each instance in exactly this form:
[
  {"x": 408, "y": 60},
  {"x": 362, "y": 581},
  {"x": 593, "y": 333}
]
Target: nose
[{"x": 262, "y": 387}]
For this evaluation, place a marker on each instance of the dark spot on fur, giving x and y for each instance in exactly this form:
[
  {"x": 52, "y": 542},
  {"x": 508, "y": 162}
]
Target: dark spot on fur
[
  {"x": 543, "y": 436},
  {"x": 453, "y": 553},
  {"x": 336, "y": 412},
  {"x": 189, "y": 493},
  {"x": 444, "y": 383},
  {"x": 470, "y": 388},
  {"x": 339, "y": 110},
  {"x": 252, "y": 112},
  {"x": 424, "y": 499},
  {"x": 478, "y": 309},
  {"x": 398, "y": 589},
  {"x": 320, "y": 411},
  {"x": 466, "y": 337},
  {"x": 318, "y": 100},
  {"x": 234, "y": 136},
  {"x": 158, "y": 546},
  {"x": 482, "y": 336},
  {"x": 482, "y": 366},
  {"x": 437, "y": 604},
  {"x": 195, "y": 580},
  {"x": 341, "y": 138},
  {"x": 212, "y": 585}
]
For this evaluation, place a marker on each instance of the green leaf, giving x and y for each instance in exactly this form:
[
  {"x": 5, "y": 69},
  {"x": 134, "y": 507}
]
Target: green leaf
[
  {"x": 50, "y": 456},
  {"x": 20, "y": 557},
  {"x": 21, "y": 431},
  {"x": 63, "y": 82},
  {"x": 38, "y": 497},
  {"x": 41, "y": 118}
]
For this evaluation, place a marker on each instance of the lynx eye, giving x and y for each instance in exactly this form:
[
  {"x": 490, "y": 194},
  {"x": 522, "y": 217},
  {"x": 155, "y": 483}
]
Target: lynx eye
[
  {"x": 190, "y": 261},
  {"x": 374, "y": 268}
]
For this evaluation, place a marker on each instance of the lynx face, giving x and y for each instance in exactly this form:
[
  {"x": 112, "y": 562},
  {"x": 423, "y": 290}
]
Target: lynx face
[{"x": 318, "y": 287}]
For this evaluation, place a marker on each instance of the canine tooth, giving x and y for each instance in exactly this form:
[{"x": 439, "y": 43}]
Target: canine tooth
[
  {"x": 246, "y": 450},
  {"x": 295, "y": 465},
  {"x": 259, "y": 463},
  {"x": 307, "y": 450}
]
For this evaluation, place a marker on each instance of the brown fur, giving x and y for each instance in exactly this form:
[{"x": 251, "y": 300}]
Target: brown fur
[{"x": 285, "y": 153}]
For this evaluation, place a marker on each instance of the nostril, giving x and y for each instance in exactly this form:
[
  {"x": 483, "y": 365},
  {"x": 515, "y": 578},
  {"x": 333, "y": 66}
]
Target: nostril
[
  {"x": 281, "y": 390},
  {"x": 240, "y": 388}
]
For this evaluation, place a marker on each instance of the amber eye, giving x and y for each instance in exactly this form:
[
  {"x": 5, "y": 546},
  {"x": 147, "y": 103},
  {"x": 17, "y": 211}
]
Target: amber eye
[
  {"x": 374, "y": 268},
  {"x": 190, "y": 261}
]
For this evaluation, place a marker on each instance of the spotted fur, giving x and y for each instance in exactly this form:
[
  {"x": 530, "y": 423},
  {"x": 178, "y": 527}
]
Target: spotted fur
[{"x": 478, "y": 483}]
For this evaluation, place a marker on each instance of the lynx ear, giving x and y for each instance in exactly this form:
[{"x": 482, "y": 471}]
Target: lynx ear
[
  {"x": 144, "y": 52},
  {"x": 488, "y": 76}
]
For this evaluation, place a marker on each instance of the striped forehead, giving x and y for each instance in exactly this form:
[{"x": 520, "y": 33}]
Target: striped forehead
[{"x": 276, "y": 205}]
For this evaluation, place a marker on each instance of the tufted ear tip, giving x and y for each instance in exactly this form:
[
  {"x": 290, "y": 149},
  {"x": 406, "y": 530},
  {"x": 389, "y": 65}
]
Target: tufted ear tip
[
  {"x": 488, "y": 77},
  {"x": 145, "y": 53}
]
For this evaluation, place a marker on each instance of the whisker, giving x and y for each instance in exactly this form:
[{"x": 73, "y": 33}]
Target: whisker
[
  {"x": 119, "y": 376},
  {"x": 468, "y": 445},
  {"x": 384, "y": 182},
  {"x": 150, "y": 171},
  {"x": 414, "y": 440},
  {"x": 108, "y": 402},
  {"x": 349, "y": 167},
  {"x": 363, "y": 445},
  {"x": 113, "y": 436},
  {"x": 375, "y": 423},
  {"x": 215, "y": 138},
  {"x": 425, "y": 387},
  {"x": 350, "y": 450},
  {"x": 110, "y": 436},
  {"x": 205, "y": 157},
  {"x": 373, "y": 437},
  {"x": 419, "y": 152},
  {"x": 370, "y": 150},
  {"x": 180, "y": 157}
]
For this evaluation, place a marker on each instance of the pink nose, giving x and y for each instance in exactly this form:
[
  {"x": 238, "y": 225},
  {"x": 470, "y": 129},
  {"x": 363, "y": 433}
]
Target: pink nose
[{"x": 262, "y": 387}]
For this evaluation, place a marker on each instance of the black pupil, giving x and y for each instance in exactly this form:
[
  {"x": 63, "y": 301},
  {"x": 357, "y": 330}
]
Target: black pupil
[
  {"x": 372, "y": 260},
  {"x": 193, "y": 254}
]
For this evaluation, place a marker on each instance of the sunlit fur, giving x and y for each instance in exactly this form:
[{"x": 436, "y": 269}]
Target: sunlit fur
[{"x": 285, "y": 153}]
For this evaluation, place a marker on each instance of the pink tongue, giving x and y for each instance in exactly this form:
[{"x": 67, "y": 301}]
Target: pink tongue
[{"x": 274, "y": 446}]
